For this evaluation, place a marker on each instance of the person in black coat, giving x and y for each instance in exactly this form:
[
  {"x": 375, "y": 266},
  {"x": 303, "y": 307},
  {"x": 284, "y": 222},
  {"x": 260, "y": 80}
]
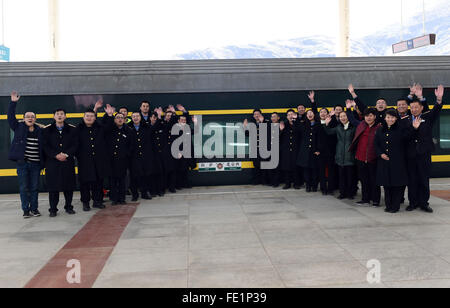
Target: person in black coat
[
  {"x": 60, "y": 146},
  {"x": 308, "y": 154},
  {"x": 142, "y": 157},
  {"x": 119, "y": 144},
  {"x": 145, "y": 112},
  {"x": 392, "y": 174},
  {"x": 326, "y": 146},
  {"x": 156, "y": 131},
  {"x": 92, "y": 156},
  {"x": 275, "y": 175},
  {"x": 26, "y": 151},
  {"x": 260, "y": 176},
  {"x": 419, "y": 149},
  {"x": 184, "y": 164},
  {"x": 289, "y": 146}
]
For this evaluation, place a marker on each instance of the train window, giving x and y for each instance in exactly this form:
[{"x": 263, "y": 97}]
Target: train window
[{"x": 445, "y": 131}]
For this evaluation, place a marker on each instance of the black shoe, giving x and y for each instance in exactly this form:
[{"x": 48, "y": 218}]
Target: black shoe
[
  {"x": 308, "y": 189},
  {"x": 362, "y": 202},
  {"x": 70, "y": 212},
  {"x": 286, "y": 187},
  {"x": 410, "y": 208},
  {"x": 135, "y": 198},
  {"x": 341, "y": 197},
  {"x": 114, "y": 203},
  {"x": 161, "y": 194},
  {"x": 314, "y": 189},
  {"x": 387, "y": 210},
  {"x": 351, "y": 198},
  {"x": 36, "y": 213},
  {"x": 427, "y": 209},
  {"x": 86, "y": 207},
  {"x": 27, "y": 215},
  {"x": 52, "y": 214},
  {"x": 297, "y": 187},
  {"x": 146, "y": 196},
  {"x": 276, "y": 185},
  {"x": 376, "y": 204},
  {"x": 394, "y": 211},
  {"x": 324, "y": 192},
  {"x": 173, "y": 191},
  {"x": 122, "y": 202},
  {"x": 98, "y": 206}
]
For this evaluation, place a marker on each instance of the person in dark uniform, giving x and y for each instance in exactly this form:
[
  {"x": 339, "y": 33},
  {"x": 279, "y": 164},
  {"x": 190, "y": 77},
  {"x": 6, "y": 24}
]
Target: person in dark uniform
[
  {"x": 169, "y": 162},
  {"x": 326, "y": 147},
  {"x": 419, "y": 150},
  {"x": 366, "y": 157},
  {"x": 92, "y": 156},
  {"x": 289, "y": 141},
  {"x": 60, "y": 146},
  {"x": 390, "y": 141},
  {"x": 124, "y": 110},
  {"x": 345, "y": 159},
  {"x": 380, "y": 106},
  {"x": 259, "y": 176},
  {"x": 142, "y": 157},
  {"x": 275, "y": 175},
  {"x": 145, "y": 112},
  {"x": 119, "y": 144},
  {"x": 157, "y": 165},
  {"x": 308, "y": 154},
  {"x": 184, "y": 164}
]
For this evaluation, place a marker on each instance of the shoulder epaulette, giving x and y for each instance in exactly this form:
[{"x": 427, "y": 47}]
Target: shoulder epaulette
[
  {"x": 405, "y": 117},
  {"x": 71, "y": 125},
  {"x": 47, "y": 126},
  {"x": 426, "y": 112}
]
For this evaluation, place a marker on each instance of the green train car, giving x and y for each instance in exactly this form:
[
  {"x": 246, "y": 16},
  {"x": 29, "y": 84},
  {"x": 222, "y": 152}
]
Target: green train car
[{"x": 218, "y": 107}]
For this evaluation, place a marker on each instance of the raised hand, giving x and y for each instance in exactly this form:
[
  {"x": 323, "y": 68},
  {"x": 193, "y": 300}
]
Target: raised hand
[
  {"x": 419, "y": 91},
  {"x": 171, "y": 108},
  {"x": 15, "y": 96},
  {"x": 261, "y": 119},
  {"x": 412, "y": 89},
  {"x": 385, "y": 157},
  {"x": 109, "y": 110},
  {"x": 327, "y": 120},
  {"x": 439, "y": 92},
  {"x": 282, "y": 125},
  {"x": 194, "y": 120},
  {"x": 245, "y": 123},
  {"x": 98, "y": 105},
  {"x": 417, "y": 122},
  {"x": 332, "y": 113},
  {"x": 181, "y": 108},
  {"x": 311, "y": 96},
  {"x": 317, "y": 153}
]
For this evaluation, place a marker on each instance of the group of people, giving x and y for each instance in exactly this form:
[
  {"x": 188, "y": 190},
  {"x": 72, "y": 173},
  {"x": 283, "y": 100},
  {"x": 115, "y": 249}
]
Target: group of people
[
  {"x": 115, "y": 147},
  {"x": 380, "y": 147},
  {"x": 377, "y": 146}
]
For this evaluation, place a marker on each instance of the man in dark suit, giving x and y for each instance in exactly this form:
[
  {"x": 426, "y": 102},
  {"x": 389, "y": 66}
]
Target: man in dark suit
[{"x": 419, "y": 149}]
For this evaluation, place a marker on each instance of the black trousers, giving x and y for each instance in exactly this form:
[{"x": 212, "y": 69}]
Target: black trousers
[
  {"x": 182, "y": 179},
  {"x": 54, "y": 200},
  {"x": 311, "y": 176},
  {"x": 419, "y": 170},
  {"x": 275, "y": 176},
  {"x": 259, "y": 176},
  {"x": 139, "y": 183},
  {"x": 292, "y": 176},
  {"x": 170, "y": 180},
  {"x": 327, "y": 173},
  {"x": 118, "y": 189},
  {"x": 347, "y": 181},
  {"x": 367, "y": 173},
  {"x": 392, "y": 197},
  {"x": 156, "y": 184},
  {"x": 92, "y": 191}
]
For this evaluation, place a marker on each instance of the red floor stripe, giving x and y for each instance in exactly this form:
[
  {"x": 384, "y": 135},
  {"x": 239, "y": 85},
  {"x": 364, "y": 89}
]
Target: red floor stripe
[
  {"x": 92, "y": 246},
  {"x": 443, "y": 194}
]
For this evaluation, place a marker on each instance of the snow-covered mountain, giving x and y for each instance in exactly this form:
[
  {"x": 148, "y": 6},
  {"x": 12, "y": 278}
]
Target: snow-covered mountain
[{"x": 376, "y": 44}]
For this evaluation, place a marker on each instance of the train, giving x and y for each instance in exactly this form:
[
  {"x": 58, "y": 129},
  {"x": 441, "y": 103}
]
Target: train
[{"x": 223, "y": 92}]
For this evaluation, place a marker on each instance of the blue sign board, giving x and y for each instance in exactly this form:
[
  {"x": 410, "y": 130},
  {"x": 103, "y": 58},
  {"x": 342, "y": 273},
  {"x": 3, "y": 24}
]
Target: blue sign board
[{"x": 4, "y": 53}]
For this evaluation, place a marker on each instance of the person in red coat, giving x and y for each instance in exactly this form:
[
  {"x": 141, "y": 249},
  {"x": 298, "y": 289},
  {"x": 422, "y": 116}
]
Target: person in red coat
[{"x": 366, "y": 157}]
